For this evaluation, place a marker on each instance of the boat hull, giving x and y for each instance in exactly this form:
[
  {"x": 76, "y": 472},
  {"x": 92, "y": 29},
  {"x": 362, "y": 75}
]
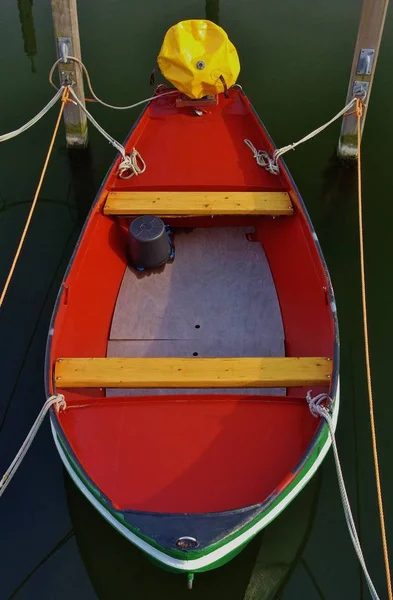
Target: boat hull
[{"x": 237, "y": 527}]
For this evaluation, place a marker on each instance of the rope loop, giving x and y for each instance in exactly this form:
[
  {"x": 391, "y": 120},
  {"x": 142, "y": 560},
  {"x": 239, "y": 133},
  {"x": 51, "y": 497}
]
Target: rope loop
[
  {"x": 58, "y": 402},
  {"x": 319, "y": 405},
  {"x": 132, "y": 164},
  {"x": 263, "y": 159},
  {"x": 95, "y": 98}
]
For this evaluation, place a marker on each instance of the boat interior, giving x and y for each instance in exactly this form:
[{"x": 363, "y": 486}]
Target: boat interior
[{"x": 189, "y": 379}]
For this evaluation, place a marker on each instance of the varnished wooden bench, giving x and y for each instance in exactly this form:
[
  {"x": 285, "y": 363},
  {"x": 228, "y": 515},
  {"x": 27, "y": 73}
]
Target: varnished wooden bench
[
  {"x": 191, "y": 372},
  {"x": 169, "y": 204}
]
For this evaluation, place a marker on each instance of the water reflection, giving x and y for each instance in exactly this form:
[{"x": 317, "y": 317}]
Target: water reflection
[
  {"x": 84, "y": 184},
  {"x": 213, "y": 10},
  {"x": 25, "y": 8},
  {"x": 338, "y": 185},
  {"x": 57, "y": 547}
]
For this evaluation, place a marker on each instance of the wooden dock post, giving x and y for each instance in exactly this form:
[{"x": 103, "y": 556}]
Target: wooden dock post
[
  {"x": 65, "y": 21},
  {"x": 372, "y": 20},
  {"x": 212, "y": 9}
]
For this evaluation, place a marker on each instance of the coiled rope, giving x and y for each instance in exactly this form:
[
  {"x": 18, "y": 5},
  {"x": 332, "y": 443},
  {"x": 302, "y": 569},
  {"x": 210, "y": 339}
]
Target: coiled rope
[
  {"x": 59, "y": 402},
  {"x": 263, "y": 159},
  {"x": 359, "y": 112}
]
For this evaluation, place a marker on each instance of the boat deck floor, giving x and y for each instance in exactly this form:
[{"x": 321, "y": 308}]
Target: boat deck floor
[
  {"x": 194, "y": 453},
  {"x": 216, "y": 299}
]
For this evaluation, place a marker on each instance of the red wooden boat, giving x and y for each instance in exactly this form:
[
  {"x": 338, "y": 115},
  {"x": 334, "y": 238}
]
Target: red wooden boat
[{"x": 186, "y": 423}]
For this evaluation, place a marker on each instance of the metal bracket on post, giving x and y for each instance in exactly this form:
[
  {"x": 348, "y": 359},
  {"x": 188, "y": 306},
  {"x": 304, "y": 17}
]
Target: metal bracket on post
[
  {"x": 365, "y": 62},
  {"x": 67, "y": 77},
  {"x": 64, "y": 48},
  {"x": 371, "y": 24},
  {"x": 360, "y": 89}
]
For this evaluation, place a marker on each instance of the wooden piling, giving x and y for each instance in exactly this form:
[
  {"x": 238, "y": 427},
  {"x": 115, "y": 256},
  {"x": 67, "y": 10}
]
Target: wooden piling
[
  {"x": 372, "y": 20},
  {"x": 65, "y": 21},
  {"x": 212, "y": 9}
]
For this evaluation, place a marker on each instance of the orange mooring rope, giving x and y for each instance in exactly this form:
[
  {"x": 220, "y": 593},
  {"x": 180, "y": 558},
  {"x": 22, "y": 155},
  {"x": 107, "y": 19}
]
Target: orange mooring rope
[
  {"x": 359, "y": 112},
  {"x": 64, "y": 99}
]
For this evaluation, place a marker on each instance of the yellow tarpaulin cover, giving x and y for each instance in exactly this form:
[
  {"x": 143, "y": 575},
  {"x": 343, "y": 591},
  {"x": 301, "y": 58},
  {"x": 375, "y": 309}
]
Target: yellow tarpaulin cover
[{"x": 195, "y": 54}]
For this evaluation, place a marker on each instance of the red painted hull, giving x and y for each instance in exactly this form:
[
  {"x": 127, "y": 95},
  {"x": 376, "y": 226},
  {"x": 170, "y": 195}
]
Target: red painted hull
[{"x": 210, "y": 454}]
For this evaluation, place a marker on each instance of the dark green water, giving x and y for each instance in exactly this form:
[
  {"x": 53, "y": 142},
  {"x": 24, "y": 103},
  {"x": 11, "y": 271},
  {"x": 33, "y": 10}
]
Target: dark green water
[{"x": 295, "y": 63}]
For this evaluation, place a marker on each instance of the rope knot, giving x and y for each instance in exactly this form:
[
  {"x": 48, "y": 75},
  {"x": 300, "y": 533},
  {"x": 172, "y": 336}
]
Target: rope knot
[
  {"x": 65, "y": 95},
  {"x": 132, "y": 164},
  {"x": 59, "y": 402},
  {"x": 263, "y": 159},
  {"x": 359, "y": 107},
  {"x": 319, "y": 405}
]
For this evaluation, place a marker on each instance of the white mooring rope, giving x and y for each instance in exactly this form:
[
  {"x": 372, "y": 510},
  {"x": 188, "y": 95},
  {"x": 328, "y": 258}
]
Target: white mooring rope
[
  {"x": 96, "y": 98},
  {"x": 270, "y": 163},
  {"x": 60, "y": 404},
  {"x": 129, "y": 165},
  {"x": 34, "y": 120},
  {"x": 320, "y": 407}
]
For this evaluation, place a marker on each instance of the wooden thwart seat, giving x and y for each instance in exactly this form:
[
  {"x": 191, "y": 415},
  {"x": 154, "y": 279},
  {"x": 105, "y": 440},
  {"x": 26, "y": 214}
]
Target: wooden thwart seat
[
  {"x": 191, "y": 372},
  {"x": 167, "y": 204}
]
